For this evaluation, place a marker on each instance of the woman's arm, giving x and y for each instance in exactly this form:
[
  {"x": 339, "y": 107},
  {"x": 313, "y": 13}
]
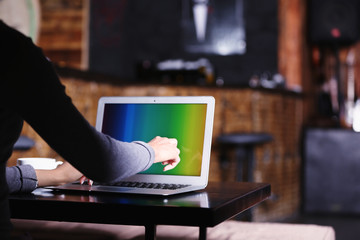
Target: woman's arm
[
  {"x": 64, "y": 173},
  {"x": 25, "y": 178}
]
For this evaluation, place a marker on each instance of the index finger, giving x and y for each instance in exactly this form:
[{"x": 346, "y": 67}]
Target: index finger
[{"x": 172, "y": 164}]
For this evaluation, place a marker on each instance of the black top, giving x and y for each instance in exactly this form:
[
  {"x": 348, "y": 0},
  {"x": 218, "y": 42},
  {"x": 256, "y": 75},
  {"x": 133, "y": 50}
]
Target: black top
[{"x": 30, "y": 90}]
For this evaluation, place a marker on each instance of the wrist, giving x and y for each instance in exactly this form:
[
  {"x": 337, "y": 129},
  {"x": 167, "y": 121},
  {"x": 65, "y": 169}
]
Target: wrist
[{"x": 59, "y": 176}]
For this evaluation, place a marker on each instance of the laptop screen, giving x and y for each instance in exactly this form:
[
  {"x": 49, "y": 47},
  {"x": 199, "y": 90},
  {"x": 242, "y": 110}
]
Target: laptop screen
[{"x": 142, "y": 122}]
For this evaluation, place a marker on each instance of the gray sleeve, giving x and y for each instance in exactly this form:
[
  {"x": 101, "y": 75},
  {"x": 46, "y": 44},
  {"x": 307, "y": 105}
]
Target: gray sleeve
[
  {"x": 151, "y": 154},
  {"x": 131, "y": 157},
  {"x": 21, "y": 178}
]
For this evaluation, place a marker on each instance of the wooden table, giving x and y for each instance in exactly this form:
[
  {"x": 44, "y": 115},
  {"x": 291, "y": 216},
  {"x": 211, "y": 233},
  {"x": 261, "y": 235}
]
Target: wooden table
[{"x": 205, "y": 208}]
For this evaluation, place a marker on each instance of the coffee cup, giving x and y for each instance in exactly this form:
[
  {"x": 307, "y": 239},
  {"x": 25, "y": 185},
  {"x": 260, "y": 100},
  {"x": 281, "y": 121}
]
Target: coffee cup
[{"x": 39, "y": 162}]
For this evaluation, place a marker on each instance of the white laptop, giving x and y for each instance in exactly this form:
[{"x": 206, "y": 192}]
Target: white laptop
[{"x": 188, "y": 119}]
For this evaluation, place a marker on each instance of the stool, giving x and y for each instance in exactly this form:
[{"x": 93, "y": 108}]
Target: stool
[
  {"x": 244, "y": 144},
  {"x": 24, "y": 143}
]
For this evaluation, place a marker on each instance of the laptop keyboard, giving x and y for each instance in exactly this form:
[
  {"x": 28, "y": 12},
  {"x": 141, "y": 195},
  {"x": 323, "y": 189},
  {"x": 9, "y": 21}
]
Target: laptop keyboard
[{"x": 146, "y": 185}]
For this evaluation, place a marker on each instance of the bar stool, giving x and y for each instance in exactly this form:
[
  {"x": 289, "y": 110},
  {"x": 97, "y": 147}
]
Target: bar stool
[
  {"x": 244, "y": 144},
  {"x": 24, "y": 143}
]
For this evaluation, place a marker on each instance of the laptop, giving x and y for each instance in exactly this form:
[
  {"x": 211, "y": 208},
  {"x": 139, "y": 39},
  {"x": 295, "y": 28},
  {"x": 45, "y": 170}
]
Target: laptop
[{"x": 188, "y": 119}]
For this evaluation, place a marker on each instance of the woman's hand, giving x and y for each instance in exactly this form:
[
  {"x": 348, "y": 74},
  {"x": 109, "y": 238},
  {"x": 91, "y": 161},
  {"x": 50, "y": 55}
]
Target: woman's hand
[
  {"x": 65, "y": 173},
  {"x": 166, "y": 152}
]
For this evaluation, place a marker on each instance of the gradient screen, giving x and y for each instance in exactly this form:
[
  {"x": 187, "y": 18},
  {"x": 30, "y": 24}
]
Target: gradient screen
[{"x": 143, "y": 122}]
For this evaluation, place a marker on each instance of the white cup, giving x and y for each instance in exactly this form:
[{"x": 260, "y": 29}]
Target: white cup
[{"x": 39, "y": 163}]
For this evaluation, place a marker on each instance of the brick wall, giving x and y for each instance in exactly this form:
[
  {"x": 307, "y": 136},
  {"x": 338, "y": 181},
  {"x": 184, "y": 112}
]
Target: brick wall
[{"x": 61, "y": 31}]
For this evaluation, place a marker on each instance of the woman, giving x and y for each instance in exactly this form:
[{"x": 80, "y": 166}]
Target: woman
[{"x": 31, "y": 91}]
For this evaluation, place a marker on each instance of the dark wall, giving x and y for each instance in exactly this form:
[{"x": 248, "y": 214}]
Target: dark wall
[{"x": 125, "y": 32}]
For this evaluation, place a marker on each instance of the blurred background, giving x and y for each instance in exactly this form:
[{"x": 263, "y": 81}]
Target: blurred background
[{"x": 287, "y": 68}]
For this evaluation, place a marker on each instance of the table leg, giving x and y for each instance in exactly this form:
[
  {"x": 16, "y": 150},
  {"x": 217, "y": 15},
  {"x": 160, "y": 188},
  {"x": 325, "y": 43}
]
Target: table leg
[
  {"x": 202, "y": 233},
  {"x": 150, "y": 232}
]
